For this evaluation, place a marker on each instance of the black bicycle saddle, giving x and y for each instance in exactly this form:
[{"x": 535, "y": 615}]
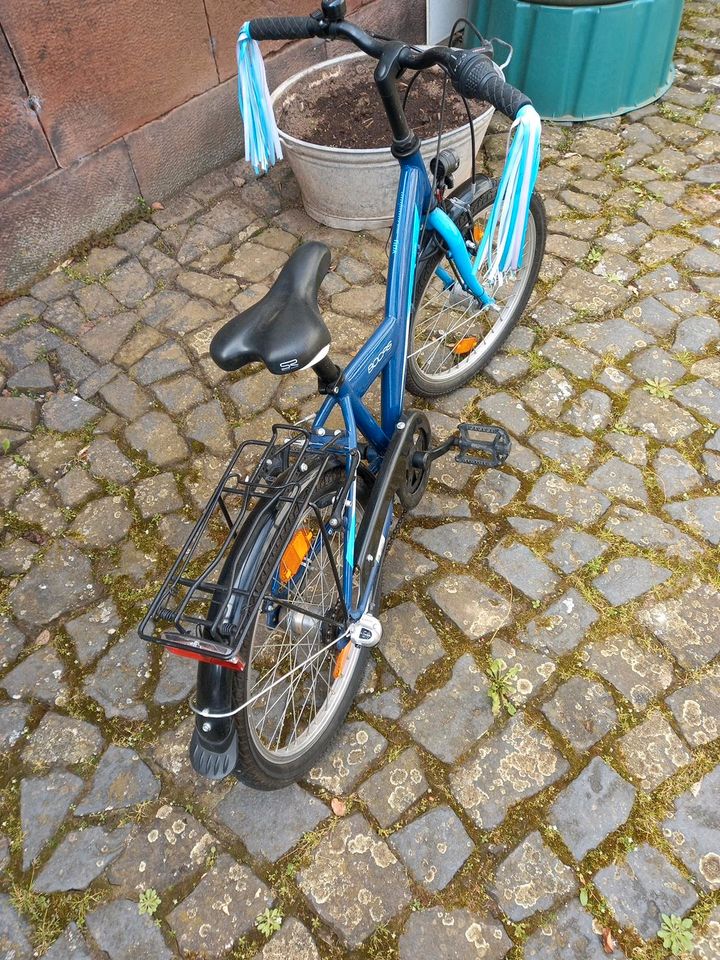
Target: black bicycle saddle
[{"x": 284, "y": 330}]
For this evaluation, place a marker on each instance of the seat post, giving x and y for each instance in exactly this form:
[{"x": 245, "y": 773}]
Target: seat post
[{"x": 328, "y": 374}]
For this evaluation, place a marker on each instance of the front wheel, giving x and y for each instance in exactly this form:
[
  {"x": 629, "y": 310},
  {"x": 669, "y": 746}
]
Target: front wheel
[
  {"x": 452, "y": 337},
  {"x": 297, "y": 709}
]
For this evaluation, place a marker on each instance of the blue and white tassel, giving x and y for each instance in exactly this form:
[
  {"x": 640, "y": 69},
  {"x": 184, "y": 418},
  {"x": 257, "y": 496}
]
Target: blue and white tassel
[
  {"x": 501, "y": 250},
  {"x": 262, "y": 141}
]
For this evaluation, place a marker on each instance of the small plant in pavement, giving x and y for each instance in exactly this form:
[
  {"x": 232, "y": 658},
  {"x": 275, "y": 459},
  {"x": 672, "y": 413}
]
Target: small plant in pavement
[
  {"x": 676, "y": 934},
  {"x": 502, "y": 686},
  {"x": 149, "y": 901},
  {"x": 660, "y": 388},
  {"x": 269, "y": 921}
]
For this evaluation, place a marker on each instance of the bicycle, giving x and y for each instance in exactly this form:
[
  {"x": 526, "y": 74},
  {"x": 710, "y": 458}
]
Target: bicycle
[{"x": 283, "y": 616}]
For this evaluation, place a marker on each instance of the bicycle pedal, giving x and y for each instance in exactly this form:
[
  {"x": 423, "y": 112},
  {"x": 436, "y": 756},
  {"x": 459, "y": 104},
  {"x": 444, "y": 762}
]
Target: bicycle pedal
[{"x": 493, "y": 443}]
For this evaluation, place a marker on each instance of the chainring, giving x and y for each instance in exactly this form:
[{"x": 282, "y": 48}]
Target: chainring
[{"x": 416, "y": 479}]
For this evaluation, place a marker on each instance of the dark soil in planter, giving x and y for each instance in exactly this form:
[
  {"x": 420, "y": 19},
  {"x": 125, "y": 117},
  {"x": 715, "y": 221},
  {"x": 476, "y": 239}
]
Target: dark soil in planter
[{"x": 340, "y": 107}]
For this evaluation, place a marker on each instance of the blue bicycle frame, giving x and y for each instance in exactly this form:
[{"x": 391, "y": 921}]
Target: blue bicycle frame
[{"x": 385, "y": 353}]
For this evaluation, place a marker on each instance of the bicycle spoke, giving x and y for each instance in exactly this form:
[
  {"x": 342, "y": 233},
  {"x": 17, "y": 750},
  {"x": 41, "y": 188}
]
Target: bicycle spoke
[
  {"x": 284, "y": 660},
  {"x": 446, "y": 316}
]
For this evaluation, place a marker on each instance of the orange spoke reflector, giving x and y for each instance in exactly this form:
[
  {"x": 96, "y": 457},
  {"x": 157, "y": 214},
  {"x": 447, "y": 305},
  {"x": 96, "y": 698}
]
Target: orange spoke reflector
[
  {"x": 295, "y": 553},
  {"x": 478, "y": 233},
  {"x": 466, "y": 345},
  {"x": 340, "y": 662}
]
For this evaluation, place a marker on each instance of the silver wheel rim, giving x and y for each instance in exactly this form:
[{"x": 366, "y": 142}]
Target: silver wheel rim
[
  {"x": 286, "y": 721},
  {"x": 446, "y": 318}
]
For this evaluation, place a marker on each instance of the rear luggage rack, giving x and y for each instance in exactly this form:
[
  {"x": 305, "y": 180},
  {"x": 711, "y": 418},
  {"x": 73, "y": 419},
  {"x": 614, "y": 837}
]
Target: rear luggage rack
[{"x": 197, "y": 611}]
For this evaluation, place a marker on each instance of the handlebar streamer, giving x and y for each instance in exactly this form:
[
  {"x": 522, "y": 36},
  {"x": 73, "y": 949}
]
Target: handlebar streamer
[
  {"x": 501, "y": 249},
  {"x": 262, "y": 141}
]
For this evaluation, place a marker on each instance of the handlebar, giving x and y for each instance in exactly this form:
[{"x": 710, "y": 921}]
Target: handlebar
[
  {"x": 473, "y": 74},
  {"x": 286, "y": 28},
  {"x": 476, "y": 78}
]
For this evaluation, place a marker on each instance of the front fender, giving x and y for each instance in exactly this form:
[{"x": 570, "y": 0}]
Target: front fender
[{"x": 455, "y": 207}]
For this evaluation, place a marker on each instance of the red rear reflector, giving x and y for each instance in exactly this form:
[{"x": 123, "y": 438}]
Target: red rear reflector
[{"x": 191, "y": 655}]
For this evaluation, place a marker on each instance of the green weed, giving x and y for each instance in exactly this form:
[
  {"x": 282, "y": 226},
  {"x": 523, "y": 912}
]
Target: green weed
[
  {"x": 269, "y": 921},
  {"x": 502, "y": 686},
  {"x": 659, "y": 387},
  {"x": 676, "y": 934},
  {"x": 149, "y": 901}
]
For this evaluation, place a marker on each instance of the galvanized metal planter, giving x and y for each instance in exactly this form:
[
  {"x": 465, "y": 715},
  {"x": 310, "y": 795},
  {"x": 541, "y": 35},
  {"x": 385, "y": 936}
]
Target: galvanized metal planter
[{"x": 355, "y": 189}]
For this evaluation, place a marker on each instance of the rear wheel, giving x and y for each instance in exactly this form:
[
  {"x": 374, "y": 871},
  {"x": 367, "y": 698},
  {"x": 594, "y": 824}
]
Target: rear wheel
[
  {"x": 289, "y": 726},
  {"x": 452, "y": 336}
]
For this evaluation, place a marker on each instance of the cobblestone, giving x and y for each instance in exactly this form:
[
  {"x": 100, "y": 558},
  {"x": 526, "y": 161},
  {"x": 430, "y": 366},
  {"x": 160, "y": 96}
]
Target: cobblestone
[
  {"x": 695, "y": 708},
  {"x": 453, "y": 716},
  {"x": 354, "y": 880},
  {"x": 121, "y": 780},
  {"x": 653, "y": 752},
  {"x": 116, "y": 681},
  {"x": 517, "y": 564},
  {"x": 81, "y": 857},
  {"x": 61, "y": 739},
  {"x": 170, "y": 847},
  {"x": 44, "y": 801},
  {"x": 351, "y": 755},
  {"x": 638, "y": 673},
  {"x": 597, "y": 802},
  {"x": 573, "y": 549},
  {"x": 504, "y": 769},
  {"x": 474, "y": 608},
  {"x": 563, "y": 625},
  {"x": 649, "y": 532},
  {"x": 270, "y": 824},
  {"x": 692, "y": 830},
  {"x": 126, "y": 934},
  {"x": 455, "y": 541},
  {"x": 563, "y": 448},
  {"x": 433, "y": 847},
  {"x": 394, "y": 788},
  {"x": 687, "y": 624},
  {"x": 571, "y": 932},
  {"x": 15, "y": 932},
  {"x": 532, "y": 878},
  {"x": 629, "y": 578},
  {"x": 102, "y": 522},
  {"x": 71, "y": 944},
  {"x": 453, "y": 935},
  {"x": 582, "y": 711},
  {"x": 157, "y": 436},
  {"x": 496, "y": 490},
  {"x": 567, "y": 501},
  {"x": 644, "y": 887},
  {"x": 220, "y": 910},
  {"x": 410, "y": 645}
]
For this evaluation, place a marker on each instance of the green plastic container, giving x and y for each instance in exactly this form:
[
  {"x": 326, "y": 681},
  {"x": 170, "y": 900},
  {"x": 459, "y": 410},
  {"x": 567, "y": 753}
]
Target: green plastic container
[{"x": 585, "y": 62}]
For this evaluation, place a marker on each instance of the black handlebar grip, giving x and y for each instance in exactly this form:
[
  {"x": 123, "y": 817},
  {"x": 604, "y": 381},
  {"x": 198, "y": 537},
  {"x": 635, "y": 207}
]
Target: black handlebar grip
[
  {"x": 476, "y": 79},
  {"x": 285, "y": 28}
]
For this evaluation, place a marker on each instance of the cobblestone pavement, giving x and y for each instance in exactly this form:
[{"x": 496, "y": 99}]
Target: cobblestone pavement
[{"x": 590, "y": 565}]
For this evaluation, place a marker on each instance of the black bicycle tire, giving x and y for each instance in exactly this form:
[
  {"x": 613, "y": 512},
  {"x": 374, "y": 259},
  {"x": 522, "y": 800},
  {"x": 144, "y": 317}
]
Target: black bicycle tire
[
  {"x": 253, "y": 769},
  {"x": 448, "y": 385}
]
